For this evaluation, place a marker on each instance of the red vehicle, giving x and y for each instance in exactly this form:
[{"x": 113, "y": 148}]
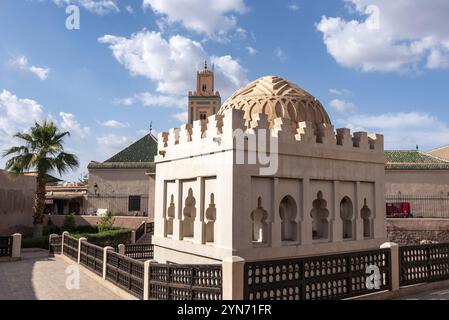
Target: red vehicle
[{"x": 398, "y": 210}]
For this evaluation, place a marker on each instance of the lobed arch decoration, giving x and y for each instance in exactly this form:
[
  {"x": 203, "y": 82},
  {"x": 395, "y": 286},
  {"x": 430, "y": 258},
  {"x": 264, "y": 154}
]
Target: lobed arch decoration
[
  {"x": 259, "y": 223},
  {"x": 347, "y": 217},
  {"x": 170, "y": 215},
  {"x": 188, "y": 214},
  {"x": 365, "y": 214},
  {"x": 320, "y": 215},
  {"x": 288, "y": 211},
  {"x": 211, "y": 216}
]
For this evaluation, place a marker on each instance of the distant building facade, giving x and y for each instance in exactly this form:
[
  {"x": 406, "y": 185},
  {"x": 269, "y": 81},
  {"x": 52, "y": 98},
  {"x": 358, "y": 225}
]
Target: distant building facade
[
  {"x": 204, "y": 101},
  {"x": 124, "y": 184}
]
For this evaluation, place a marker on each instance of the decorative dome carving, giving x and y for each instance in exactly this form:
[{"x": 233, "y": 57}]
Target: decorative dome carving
[{"x": 277, "y": 97}]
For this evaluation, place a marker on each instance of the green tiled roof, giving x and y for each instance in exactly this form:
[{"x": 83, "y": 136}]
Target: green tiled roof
[
  {"x": 414, "y": 160},
  {"x": 142, "y": 150}
]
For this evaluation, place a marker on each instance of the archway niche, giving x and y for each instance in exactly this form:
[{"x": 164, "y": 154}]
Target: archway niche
[
  {"x": 347, "y": 215},
  {"x": 288, "y": 212},
  {"x": 259, "y": 223},
  {"x": 365, "y": 214},
  {"x": 320, "y": 214},
  {"x": 170, "y": 215},
  {"x": 188, "y": 214},
  {"x": 211, "y": 216}
]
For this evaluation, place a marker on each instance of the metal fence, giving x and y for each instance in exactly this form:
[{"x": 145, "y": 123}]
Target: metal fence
[
  {"x": 55, "y": 244},
  {"x": 185, "y": 282},
  {"x": 316, "y": 278},
  {"x": 125, "y": 273},
  {"x": 423, "y": 263},
  {"x": 424, "y": 206},
  {"x": 91, "y": 256},
  {"x": 6, "y": 246},
  {"x": 119, "y": 205},
  {"x": 139, "y": 251},
  {"x": 71, "y": 247}
]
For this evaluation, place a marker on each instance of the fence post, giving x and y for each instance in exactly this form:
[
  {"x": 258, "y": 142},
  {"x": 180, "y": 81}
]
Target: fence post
[
  {"x": 145, "y": 226},
  {"x": 133, "y": 237},
  {"x": 79, "y": 248},
  {"x": 233, "y": 278},
  {"x": 16, "y": 245},
  {"x": 395, "y": 270},
  {"x": 121, "y": 249},
  {"x": 49, "y": 242},
  {"x": 146, "y": 280},
  {"x": 65, "y": 233},
  {"x": 105, "y": 260}
]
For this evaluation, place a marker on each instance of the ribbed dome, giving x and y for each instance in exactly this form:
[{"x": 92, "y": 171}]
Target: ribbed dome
[{"x": 277, "y": 97}]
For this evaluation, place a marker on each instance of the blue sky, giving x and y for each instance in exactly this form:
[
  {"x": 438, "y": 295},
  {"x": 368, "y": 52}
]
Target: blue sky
[{"x": 377, "y": 65}]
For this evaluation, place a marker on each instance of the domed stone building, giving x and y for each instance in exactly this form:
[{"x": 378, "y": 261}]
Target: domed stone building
[{"x": 267, "y": 177}]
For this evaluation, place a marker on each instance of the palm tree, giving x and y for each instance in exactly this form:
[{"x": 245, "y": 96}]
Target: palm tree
[{"x": 41, "y": 152}]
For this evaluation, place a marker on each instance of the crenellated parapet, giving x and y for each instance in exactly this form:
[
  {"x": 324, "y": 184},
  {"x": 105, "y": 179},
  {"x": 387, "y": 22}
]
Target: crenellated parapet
[{"x": 220, "y": 132}]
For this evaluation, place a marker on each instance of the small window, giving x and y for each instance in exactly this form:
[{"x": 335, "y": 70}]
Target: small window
[
  {"x": 204, "y": 87},
  {"x": 203, "y": 115},
  {"x": 134, "y": 203}
]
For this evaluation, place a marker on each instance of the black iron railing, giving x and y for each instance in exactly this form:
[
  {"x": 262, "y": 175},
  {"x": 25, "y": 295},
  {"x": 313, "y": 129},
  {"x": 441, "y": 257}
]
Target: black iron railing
[
  {"x": 150, "y": 227},
  {"x": 126, "y": 273},
  {"x": 185, "y": 282},
  {"x": 6, "y": 246},
  {"x": 423, "y": 263},
  {"x": 91, "y": 256},
  {"x": 139, "y": 251},
  {"x": 55, "y": 245},
  {"x": 140, "y": 231},
  {"x": 70, "y": 247},
  {"x": 337, "y": 276}
]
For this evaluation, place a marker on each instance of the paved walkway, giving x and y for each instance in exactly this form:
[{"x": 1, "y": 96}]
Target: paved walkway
[
  {"x": 439, "y": 294},
  {"x": 40, "y": 277}
]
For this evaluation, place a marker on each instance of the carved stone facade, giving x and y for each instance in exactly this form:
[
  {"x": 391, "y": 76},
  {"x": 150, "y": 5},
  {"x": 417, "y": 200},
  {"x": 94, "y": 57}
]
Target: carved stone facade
[{"x": 248, "y": 183}]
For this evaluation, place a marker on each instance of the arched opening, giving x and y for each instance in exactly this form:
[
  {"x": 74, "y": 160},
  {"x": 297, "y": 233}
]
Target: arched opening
[
  {"x": 347, "y": 214},
  {"x": 211, "y": 216},
  {"x": 365, "y": 214},
  {"x": 188, "y": 215},
  {"x": 259, "y": 217},
  {"x": 320, "y": 214},
  {"x": 170, "y": 215},
  {"x": 288, "y": 211}
]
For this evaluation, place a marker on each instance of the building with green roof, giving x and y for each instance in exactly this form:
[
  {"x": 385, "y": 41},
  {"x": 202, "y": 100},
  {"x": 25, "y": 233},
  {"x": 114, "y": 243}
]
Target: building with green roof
[{"x": 124, "y": 183}]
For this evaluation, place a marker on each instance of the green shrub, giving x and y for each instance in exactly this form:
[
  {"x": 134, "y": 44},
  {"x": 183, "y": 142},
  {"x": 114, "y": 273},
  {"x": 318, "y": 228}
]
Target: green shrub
[
  {"x": 86, "y": 229},
  {"x": 40, "y": 242},
  {"x": 112, "y": 237},
  {"x": 106, "y": 222},
  {"x": 49, "y": 229},
  {"x": 69, "y": 223}
]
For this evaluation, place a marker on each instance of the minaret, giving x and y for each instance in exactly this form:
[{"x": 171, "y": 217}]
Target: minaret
[{"x": 204, "y": 102}]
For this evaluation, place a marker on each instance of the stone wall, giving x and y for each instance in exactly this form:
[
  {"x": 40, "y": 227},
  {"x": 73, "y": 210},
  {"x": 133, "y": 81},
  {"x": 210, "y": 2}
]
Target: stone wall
[
  {"x": 412, "y": 231},
  {"x": 16, "y": 203}
]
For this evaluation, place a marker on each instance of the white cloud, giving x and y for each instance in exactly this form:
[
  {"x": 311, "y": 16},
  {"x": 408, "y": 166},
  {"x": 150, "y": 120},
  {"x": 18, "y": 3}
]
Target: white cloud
[
  {"x": 340, "y": 92},
  {"x": 280, "y": 54},
  {"x": 172, "y": 63},
  {"x": 390, "y": 36},
  {"x": 149, "y": 99},
  {"x": 112, "y": 142},
  {"x": 113, "y": 124},
  {"x": 181, "y": 117},
  {"x": 251, "y": 51},
  {"x": 22, "y": 64},
  {"x": 211, "y": 18},
  {"x": 294, "y": 7},
  {"x": 17, "y": 115},
  {"x": 129, "y": 9},
  {"x": 402, "y": 130},
  {"x": 100, "y": 7},
  {"x": 342, "y": 105},
  {"x": 69, "y": 123}
]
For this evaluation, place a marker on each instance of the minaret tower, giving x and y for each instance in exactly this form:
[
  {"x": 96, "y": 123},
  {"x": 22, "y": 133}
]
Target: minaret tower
[{"x": 204, "y": 102}]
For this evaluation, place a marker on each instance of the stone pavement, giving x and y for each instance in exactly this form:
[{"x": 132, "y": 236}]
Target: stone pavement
[
  {"x": 39, "y": 276},
  {"x": 439, "y": 294}
]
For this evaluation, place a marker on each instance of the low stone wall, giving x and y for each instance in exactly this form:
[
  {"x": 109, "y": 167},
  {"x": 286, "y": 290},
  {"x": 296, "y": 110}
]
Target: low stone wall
[
  {"x": 123, "y": 222},
  {"x": 412, "y": 231}
]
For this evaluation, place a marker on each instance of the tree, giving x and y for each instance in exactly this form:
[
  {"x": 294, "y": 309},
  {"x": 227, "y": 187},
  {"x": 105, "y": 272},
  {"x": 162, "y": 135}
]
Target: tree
[{"x": 43, "y": 152}]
